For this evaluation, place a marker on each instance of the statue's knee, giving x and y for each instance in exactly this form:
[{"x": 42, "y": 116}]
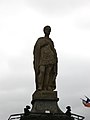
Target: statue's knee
[{"x": 42, "y": 69}]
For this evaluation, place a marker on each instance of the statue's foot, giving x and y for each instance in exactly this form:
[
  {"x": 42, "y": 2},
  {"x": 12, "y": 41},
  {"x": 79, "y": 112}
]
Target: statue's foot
[
  {"x": 50, "y": 88},
  {"x": 39, "y": 88},
  {"x": 45, "y": 89}
]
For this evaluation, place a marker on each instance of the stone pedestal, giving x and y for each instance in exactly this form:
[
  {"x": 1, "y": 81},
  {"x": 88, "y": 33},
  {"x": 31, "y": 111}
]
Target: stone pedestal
[
  {"x": 45, "y": 107},
  {"x": 45, "y": 101},
  {"x": 46, "y": 116}
]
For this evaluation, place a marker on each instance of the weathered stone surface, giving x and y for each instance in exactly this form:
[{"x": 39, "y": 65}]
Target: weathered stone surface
[
  {"x": 45, "y": 62},
  {"x": 45, "y": 101},
  {"x": 44, "y": 95},
  {"x": 46, "y": 116}
]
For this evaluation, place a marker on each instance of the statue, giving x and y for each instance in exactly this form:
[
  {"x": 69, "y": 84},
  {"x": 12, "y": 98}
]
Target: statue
[
  {"x": 45, "y": 62},
  {"x": 68, "y": 112}
]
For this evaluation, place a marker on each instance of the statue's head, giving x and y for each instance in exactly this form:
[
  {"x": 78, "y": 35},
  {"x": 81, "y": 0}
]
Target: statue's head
[
  {"x": 47, "y": 30},
  {"x": 68, "y": 108}
]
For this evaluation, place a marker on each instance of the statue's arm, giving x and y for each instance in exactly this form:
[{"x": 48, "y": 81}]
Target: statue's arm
[
  {"x": 36, "y": 53},
  {"x": 55, "y": 53}
]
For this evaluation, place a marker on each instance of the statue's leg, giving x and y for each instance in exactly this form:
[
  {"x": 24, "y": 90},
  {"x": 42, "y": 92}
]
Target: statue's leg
[
  {"x": 52, "y": 78},
  {"x": 47, "y": 77},
  {"x": 41, "y": 77},
  {"x": 52, "y": 82}
]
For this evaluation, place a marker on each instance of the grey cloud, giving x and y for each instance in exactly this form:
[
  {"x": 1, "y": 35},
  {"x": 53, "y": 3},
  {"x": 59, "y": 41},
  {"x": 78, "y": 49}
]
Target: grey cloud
[
  {"x": 77, "y": 77},
  {"x": 82, "y": 18},
  {"x": 73, "y": 84},
  {"x": 15, "y": 81},
  {"x": 15, "y": 93},
  {"x": 19, "y": 63},
  {"x": 19, "y": 74},
  {"x": 83, "y": 24},
  {"x": 56, "y": 7}
]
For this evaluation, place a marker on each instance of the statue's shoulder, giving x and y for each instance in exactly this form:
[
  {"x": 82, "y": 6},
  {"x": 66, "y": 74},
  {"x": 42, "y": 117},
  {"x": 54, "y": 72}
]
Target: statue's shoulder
[
  {"x": 50, "y": 39},
  {"x": 39, "y": 40}
]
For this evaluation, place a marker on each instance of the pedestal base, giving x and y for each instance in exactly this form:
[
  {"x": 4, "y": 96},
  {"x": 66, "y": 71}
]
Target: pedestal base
[
  {"x": 45, "y": 101},
  {"x": 45, "y": 107},
  {"x": 46, "y": 116}
]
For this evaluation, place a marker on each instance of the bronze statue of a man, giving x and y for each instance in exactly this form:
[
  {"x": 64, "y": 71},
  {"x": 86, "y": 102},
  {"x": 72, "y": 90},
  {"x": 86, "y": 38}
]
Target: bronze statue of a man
[{"x": 45, "y": 62}]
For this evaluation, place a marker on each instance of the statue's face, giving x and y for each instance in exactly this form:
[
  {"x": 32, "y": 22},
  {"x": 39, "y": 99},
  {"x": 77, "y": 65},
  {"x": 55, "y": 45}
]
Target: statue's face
[{"x": 47, "y": 30}]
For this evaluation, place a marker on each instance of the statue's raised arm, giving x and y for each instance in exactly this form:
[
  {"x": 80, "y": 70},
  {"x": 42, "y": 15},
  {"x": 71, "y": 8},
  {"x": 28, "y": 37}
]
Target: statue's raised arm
[{"x": 45, "y": 62}]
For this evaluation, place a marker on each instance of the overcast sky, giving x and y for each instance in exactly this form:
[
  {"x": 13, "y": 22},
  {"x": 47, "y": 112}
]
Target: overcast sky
[{"x": 21, "y": 24}]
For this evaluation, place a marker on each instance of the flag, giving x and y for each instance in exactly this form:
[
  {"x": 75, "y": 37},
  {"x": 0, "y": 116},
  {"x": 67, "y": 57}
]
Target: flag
[{"x": 86, "y": 103}]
